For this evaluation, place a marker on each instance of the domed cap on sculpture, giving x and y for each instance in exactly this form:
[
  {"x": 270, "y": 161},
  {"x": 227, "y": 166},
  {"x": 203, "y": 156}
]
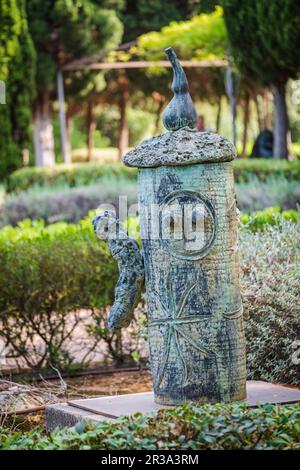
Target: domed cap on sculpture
[{"x": 183, "y": 144}]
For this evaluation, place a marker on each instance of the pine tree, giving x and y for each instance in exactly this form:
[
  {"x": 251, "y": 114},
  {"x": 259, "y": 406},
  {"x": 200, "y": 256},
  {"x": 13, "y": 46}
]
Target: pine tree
[
  {"x": 64, "y": 30},
  {"x": 16, "y": 70},
  {"x": 265, "y": 37}
]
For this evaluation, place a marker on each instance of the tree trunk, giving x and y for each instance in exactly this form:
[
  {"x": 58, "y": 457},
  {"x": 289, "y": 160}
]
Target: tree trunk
[
  {"x": 218, "y": 119},
  {"x": 65, "y": 145},
  {"x": 280, "y": 122},
  {"x": 246, "y": 122},
  {"x": 258, "y": 112},
  {"x": 90, "y": 129},
  {"x": 123, "y": 129},
  {"x": 158, "y": 116},
  {"x": 69, "y": 126},
  {"x": 43, "y": 134}
]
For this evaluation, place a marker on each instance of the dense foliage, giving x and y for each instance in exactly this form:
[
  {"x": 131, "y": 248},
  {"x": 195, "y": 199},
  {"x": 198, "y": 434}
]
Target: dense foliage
[
  {"x": 203, "y": 37},
  {"x": 272, "y": 58},
  {"x": 81, "y": 174},
  {"x": 69, "y": 175},
  {"x": 46, "y": 273},
  {"x": 219, "y": 427},
  {"x": 66, "y": 204},
  {"x": 140, "y": 16},
  {"x": 260, "y": 220},
  {"x": 275, "y": 191},
  {"x": 271, "y": 297},
  {"x": 17, "y": 67}
]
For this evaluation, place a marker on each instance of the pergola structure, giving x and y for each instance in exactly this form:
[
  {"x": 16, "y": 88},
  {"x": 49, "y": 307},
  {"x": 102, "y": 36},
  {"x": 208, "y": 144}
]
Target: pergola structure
[{"x": 94, "y": 63}]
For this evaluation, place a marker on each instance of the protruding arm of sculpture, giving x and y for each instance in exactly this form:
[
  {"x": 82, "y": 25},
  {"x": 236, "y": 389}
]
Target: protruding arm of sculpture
[{"x": 126, "y": 252}]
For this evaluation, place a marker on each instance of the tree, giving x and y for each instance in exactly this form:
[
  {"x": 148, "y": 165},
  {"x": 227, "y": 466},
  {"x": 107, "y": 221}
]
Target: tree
[
  {"x": 138, "y": 17},
  {"x": 203, "y": 37},
  {"x": 63, "y": 30},
  {"x": 17, "y": 72},
  {"x": 142, "y": 16},
  {"x": 264, "y": 36}
]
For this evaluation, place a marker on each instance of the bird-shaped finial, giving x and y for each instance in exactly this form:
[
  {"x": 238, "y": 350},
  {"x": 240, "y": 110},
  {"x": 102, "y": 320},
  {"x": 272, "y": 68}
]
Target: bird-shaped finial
[{"x": 180, "y": 112}]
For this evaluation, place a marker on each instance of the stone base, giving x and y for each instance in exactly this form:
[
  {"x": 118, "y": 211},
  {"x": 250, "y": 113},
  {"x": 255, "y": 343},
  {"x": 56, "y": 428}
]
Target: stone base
[{"x": 109, "y": 408}]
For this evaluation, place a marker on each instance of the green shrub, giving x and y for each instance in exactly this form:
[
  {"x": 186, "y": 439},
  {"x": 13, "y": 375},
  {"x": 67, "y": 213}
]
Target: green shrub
[
  {"x": 64, "y": 203},
  {"x": 245, "y": 169},
  {"x": 53, "y": 204},
  {"x": 255, "y": 195},
  {"x": 78, "y": 174},
  {"x": 87, "y": 173},
  {"x": 46, "y": 273},
  {"x": 259, "y": 220},
  {"x": 219, "y": 427},
  {"x": 270, "y": 287}
]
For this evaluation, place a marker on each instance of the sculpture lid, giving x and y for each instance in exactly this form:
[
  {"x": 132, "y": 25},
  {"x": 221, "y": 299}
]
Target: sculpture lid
[
  {"x": 182, "y": 147},
  {"x": 180, "y": 112}
]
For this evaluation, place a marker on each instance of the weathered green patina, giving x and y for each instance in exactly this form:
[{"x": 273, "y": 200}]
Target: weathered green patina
[
  {"x": 195, "y": 323},
  {"x": 188, "y": 221},
  {"x": 126, "y": 252}
]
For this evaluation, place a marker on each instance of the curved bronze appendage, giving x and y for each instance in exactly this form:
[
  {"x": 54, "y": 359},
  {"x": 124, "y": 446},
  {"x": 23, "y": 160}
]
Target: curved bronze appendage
[
  {"x": 180, "y": 112},
  {"x": 126, "y": 252}
]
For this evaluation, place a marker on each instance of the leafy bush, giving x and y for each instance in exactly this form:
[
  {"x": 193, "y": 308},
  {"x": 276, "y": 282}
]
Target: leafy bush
[
  {"x": 87, "y": 173},
  {"x": 45, "y": 274},
  {"x": 271, "y": 291},
  {"x": 78, "y": 174},
  {"x": 246, "y": 169},
  {"x": 65, "y": 204},
  {"x": 219, "y": 427},
  {"x": 256, "y": 195},
  {"x": 259, "y": 220}
]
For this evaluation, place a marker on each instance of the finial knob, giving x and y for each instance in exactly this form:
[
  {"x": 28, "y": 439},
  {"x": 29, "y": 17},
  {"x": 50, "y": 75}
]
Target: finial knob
[{"x": 180, "y": 112}]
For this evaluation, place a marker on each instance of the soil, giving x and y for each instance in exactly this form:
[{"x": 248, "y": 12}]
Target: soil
[
  {"x": 80, "y": 387},
  {"x": 106, "y": 384}
]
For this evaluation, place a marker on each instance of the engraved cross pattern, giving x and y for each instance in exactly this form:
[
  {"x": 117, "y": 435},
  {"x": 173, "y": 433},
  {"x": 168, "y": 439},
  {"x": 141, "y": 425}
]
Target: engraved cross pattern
[{"x": 174, "y": 321}]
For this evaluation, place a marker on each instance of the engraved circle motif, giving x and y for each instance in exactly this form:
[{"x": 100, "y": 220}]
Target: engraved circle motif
[{"x": 188, "y": 225}]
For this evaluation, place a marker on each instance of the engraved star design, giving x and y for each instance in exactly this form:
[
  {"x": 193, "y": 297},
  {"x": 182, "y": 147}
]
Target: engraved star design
[{"x": 173, "y": 321}]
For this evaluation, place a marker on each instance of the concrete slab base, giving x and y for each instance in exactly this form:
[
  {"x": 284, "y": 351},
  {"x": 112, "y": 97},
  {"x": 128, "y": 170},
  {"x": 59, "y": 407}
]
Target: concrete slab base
[{"x": 110, "y": 408}]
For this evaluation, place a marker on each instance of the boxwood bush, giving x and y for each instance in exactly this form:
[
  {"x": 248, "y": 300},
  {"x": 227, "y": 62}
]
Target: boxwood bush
[
  {"x": 46, "y": 273},
  {"x": 87, "y": 173},
  {"x": 53, "y": 204},
  {"x": 245, "y": 169},
  {"x": 74, "y": 175},
  {"x": 217, "y": 427}
]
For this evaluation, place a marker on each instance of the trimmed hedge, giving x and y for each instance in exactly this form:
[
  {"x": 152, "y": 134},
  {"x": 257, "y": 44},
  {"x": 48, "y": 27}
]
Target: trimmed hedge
[
  {"x": 245, "y": 169},
  {"x": 218, "y": 427},
  {"x": 46, "y": 272},
  {"x": 78, "y": 174},
  {"x": 86, "y": 173},
  {"x": 53, "y": 204}
]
